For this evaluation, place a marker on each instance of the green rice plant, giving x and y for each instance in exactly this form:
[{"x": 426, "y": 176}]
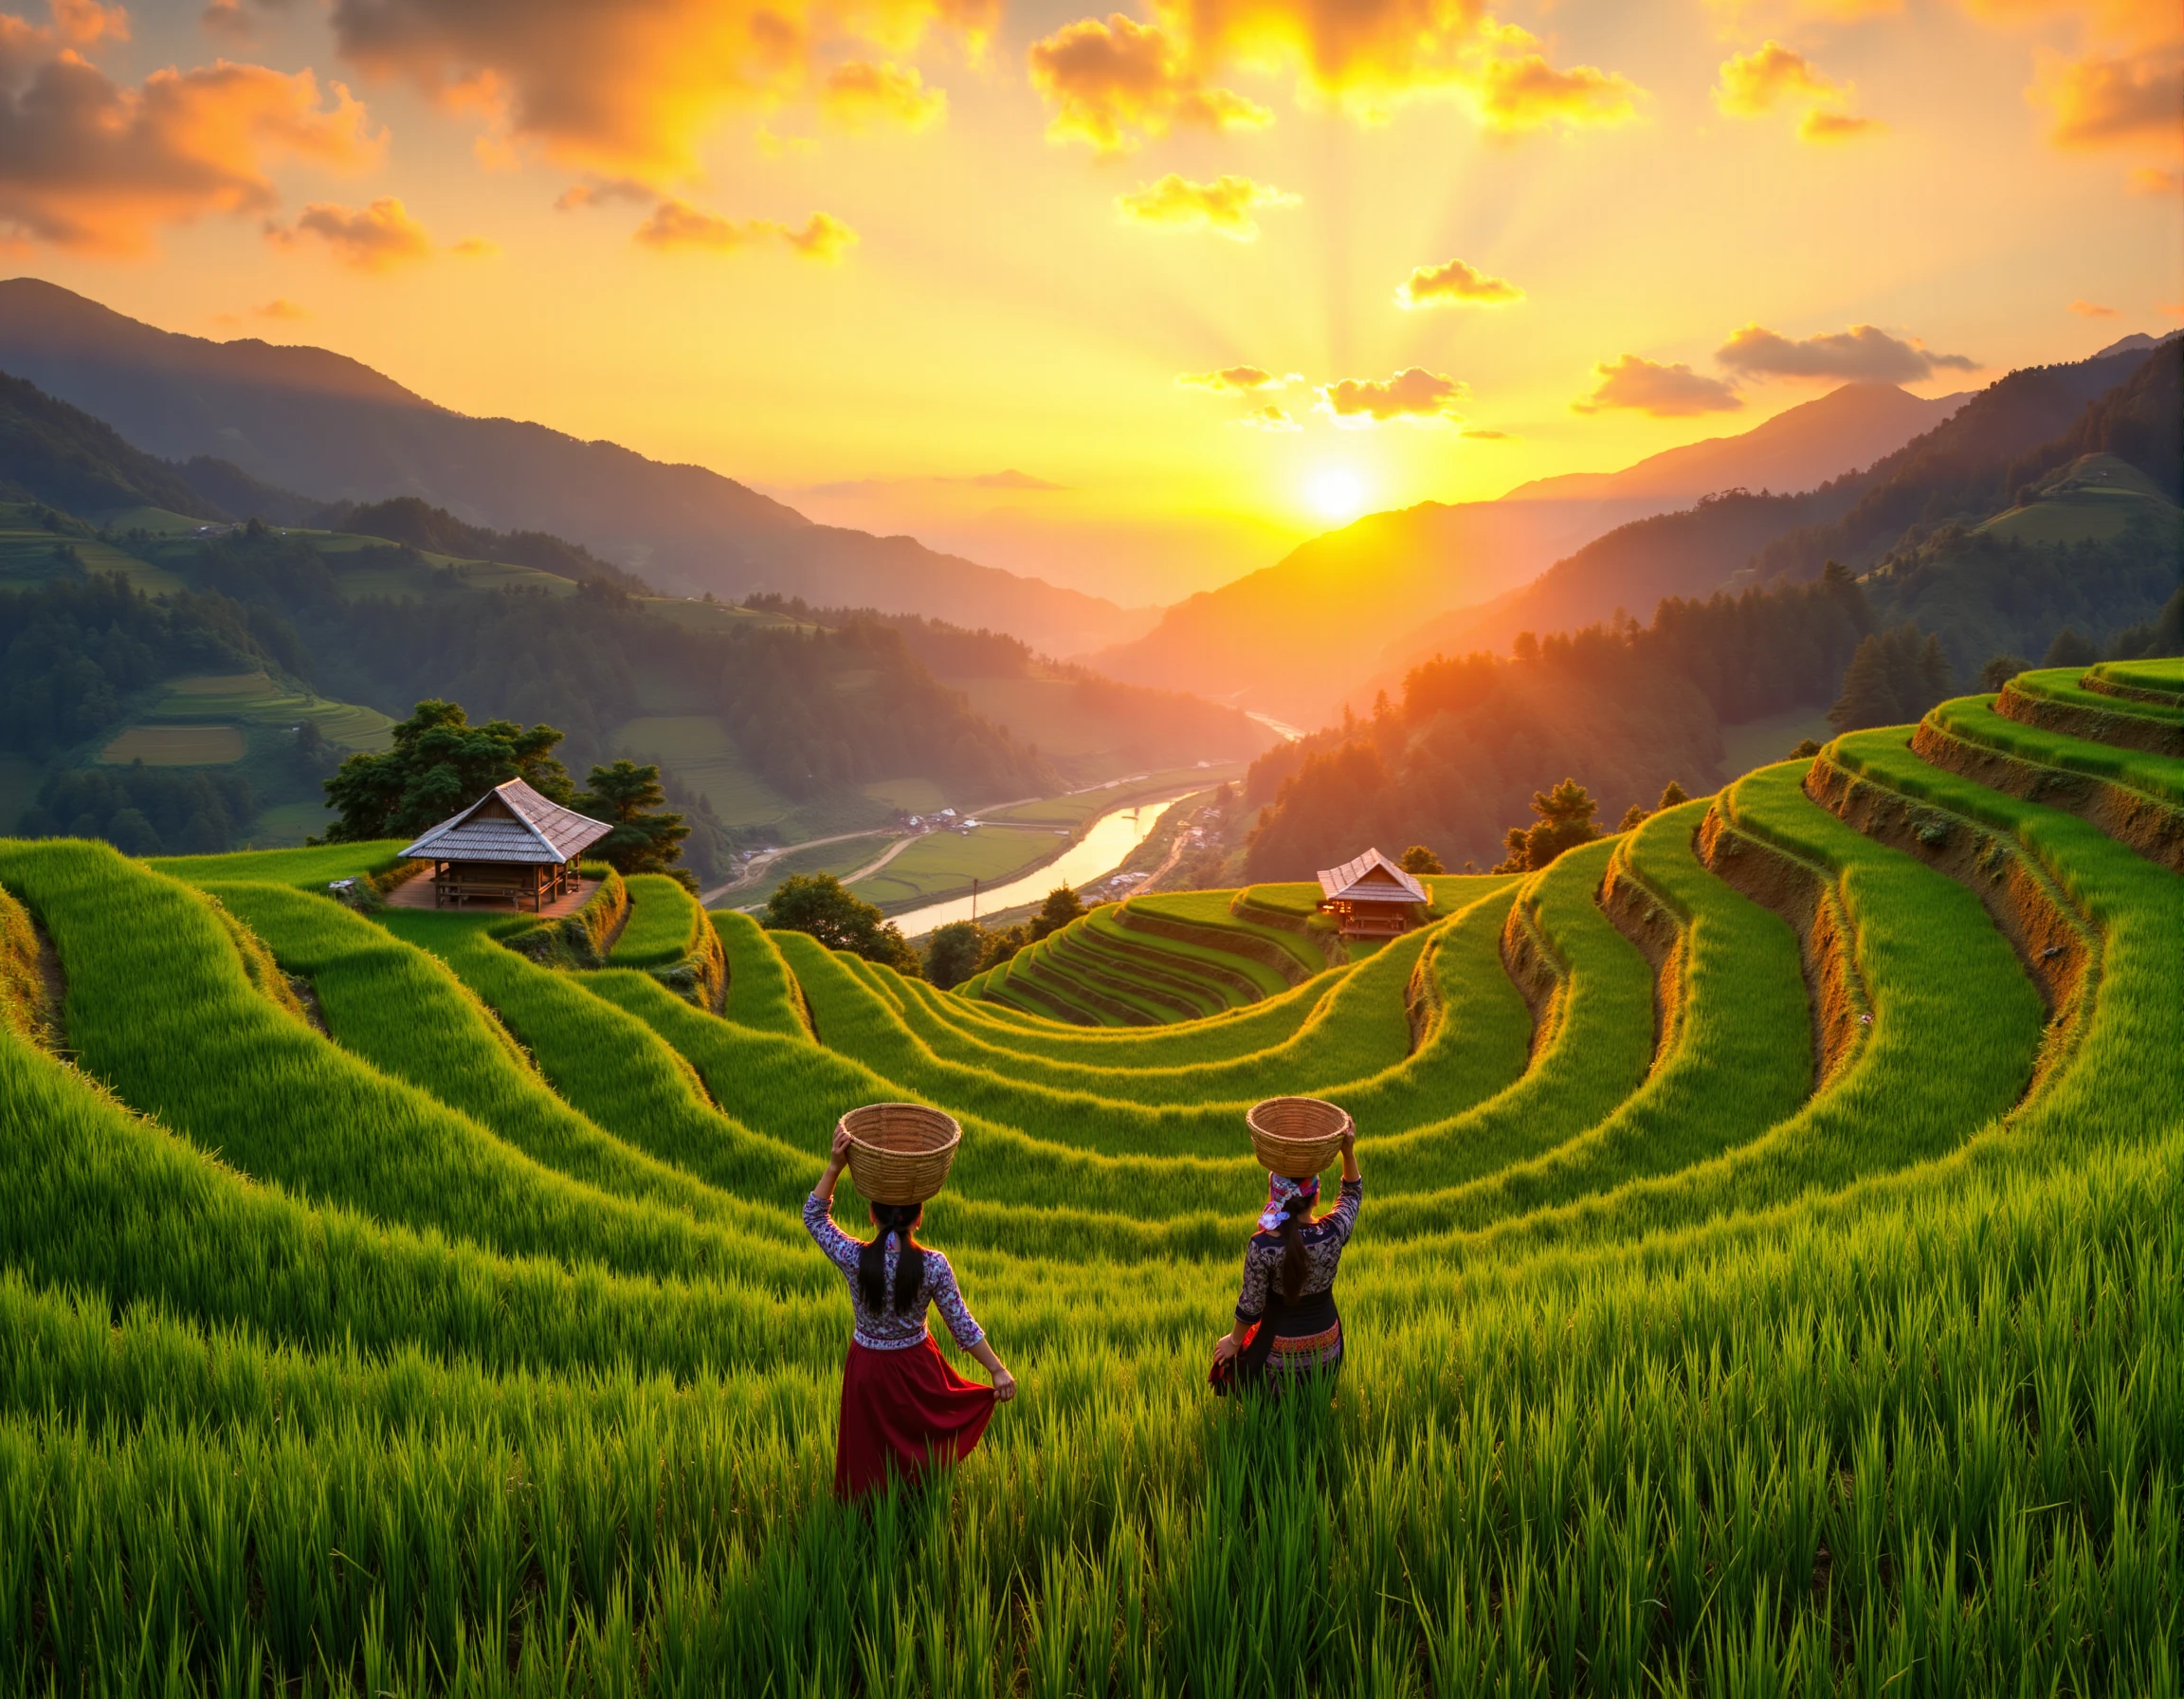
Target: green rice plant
[
  {"x": 1950, "y": 1051},
  {"x": 1735, "y": 1057},
  {"x": 762, "y": 993},
  {"x": 1972, "y": 718},
  {"x": 2158, "y": 679},
  {"x": 401, "y": 1009},
  {"x": 663, "y": 927},
  {"x": 160, "y": 1010},
  {"x": 609, "y": 1066},
  {"x": 1374, "y": 1077},
  {"x": 310, "y": 869}
]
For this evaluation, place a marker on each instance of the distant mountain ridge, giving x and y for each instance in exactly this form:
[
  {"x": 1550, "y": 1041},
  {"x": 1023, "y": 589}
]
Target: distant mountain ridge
[
  {"x": 1290, "y": 638},
  {"x": 310, "y": 420},
  {"x": 1798, "y": 450}
]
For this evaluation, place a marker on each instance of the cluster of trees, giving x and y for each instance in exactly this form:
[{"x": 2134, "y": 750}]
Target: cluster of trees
[
  {"x": 822, "y": 905},
  {"x": 144, "y": 810},
  {"x": 812, "y": 709},
  {"x": 440, "y": 762},
  {"x": 1894, "y": 678},
  {"x": 72, "y": 650}
]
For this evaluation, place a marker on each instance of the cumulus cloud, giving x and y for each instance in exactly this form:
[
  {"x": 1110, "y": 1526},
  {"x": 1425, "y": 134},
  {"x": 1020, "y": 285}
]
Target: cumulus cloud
[
  {"x": 1519, "y": 92},
  {"x": 1417, "y": 394},
  {"x": 625, "y": 90},
  {"x": 1224, "y": 206},
  {"x": 863, "y": 96},
  {"x": 1648, "y": 387},
  {"x": 2092, "y": 309},
  {"x": 1115, "y": 82},
  {"x": 1752, "y": 85},
  {"x": 2103, "y": 101},
  {"x": 1488, "y": 436},
  {"x": 676, "y": 224},
  {"x": 1241, "y": 381},
  {"x": 89, "y": 164},
  {"x": 380, "y": 237},
  {"x": 1454, "y": 284},
  {"x": 1863, "y": 353},
  {"x": 1269, "y": 418}
]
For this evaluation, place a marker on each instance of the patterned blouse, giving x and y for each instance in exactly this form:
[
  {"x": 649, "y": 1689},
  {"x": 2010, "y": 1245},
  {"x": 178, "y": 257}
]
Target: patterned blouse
[
  {"x": 1323, "y": 1241},
  {"x": 890, "y": 1329}
]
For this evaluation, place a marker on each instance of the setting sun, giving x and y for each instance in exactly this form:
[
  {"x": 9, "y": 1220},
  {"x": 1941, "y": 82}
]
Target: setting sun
[{"x": 1335, "y": 493}]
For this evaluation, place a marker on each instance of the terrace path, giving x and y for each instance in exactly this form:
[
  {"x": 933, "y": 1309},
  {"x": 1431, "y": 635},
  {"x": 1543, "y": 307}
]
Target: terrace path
[{"x": 416, "y": 892}]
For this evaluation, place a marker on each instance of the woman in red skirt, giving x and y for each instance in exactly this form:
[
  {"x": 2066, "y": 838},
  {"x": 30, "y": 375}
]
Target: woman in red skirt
[{"x": 903, "y": 1408}]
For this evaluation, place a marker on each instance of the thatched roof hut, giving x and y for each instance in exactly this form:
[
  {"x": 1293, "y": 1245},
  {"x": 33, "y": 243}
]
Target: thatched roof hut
[
  {"x": 510, "y": 846},
  {"x": 1371, "y": 896}
]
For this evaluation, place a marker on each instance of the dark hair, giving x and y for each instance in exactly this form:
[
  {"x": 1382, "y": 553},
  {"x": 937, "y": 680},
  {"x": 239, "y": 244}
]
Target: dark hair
[
  {"x": 1294, "y": 1215},
  {"x": 872, "y": 1261}
]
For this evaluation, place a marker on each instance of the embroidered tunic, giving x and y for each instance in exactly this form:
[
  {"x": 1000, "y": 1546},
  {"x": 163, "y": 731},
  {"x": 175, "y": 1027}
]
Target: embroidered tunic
[
  {"x": 891, "y": 1329},
  {"x": 1294, "y": 1337}
]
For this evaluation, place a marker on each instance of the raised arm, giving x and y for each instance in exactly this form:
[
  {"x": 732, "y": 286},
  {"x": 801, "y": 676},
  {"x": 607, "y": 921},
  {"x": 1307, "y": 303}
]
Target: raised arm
[
  {"x": 1343, "y": 1217},
  {"x": 818, "y": 1209}
]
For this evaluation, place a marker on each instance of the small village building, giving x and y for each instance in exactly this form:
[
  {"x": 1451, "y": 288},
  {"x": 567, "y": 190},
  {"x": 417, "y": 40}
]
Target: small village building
[
  {"x": 1372, "y": 896},
  {"x": 511, "y": 845}
]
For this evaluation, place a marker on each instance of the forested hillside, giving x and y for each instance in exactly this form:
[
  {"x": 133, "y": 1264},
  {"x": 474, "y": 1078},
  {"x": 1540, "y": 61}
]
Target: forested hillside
[{"x": 1624, "y": 710}]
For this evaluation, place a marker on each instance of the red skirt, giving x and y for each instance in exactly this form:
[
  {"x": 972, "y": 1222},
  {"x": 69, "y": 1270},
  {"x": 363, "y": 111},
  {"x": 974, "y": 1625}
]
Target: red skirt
[{"x": 901, "y": 1413}]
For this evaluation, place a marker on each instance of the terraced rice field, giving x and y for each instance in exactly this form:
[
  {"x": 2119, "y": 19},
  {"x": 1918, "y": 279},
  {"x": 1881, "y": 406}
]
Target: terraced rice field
[{"x": 1771, "y": 1276}]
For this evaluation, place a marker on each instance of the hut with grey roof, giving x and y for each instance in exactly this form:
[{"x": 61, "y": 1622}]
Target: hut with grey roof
[
  {"x": 511, "y": 845},
  {"x": 1371, "y": 896}
]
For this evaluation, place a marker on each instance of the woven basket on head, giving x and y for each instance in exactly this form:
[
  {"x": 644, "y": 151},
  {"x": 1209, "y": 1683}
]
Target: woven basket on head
[
  {"x": 900, "y": 1152},
  {"x": 1295, "y": 1135}
]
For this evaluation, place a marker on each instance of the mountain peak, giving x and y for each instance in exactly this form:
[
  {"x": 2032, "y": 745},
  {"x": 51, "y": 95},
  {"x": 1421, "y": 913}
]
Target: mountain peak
[{"x": 1800, "y": 448}]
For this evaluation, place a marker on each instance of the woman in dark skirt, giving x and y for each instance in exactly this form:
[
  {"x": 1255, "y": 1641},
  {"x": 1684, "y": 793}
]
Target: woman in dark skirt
[
  {"x": 903, "y": 1408},
  {"x": 1287, "y": 1324}
]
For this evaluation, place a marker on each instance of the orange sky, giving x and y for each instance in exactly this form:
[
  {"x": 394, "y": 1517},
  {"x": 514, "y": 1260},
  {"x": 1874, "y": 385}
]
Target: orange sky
[{"x": 867, "y": 253}]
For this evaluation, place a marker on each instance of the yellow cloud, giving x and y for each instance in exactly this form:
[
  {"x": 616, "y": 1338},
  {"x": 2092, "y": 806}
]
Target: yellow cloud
[
  {"x": 627, "y": 91},
  {"x": 89, "y": 164},
  {"x": 2157, "y": 179},
  {"x": 1223, "y": 206},
  {"x": 1241, "y": 381},
  {"x": 377, "y": 238},
  {"x": 1662, "y": 390},
  {"x": 2092, "y": 309},
  {"x": 1524, "y": 92},
  {"x": 1455, "y": 283},
  {"x": 1417, "y": 394},
  {"x": 280, "y": 307},
  {"x": 1269, "y": 418},
  {"x": 863, "y": 96},
  {"x": 678, "y": 224},
  {"x": 1754, "y": 84},
  {"x": 1115, "y": 81}
]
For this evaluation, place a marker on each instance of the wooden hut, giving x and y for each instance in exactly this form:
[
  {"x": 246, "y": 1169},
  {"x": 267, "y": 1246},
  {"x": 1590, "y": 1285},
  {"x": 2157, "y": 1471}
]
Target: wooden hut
[
  {"x": 1371, "y": 896},
  {"x": 511, "y": 845}
]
